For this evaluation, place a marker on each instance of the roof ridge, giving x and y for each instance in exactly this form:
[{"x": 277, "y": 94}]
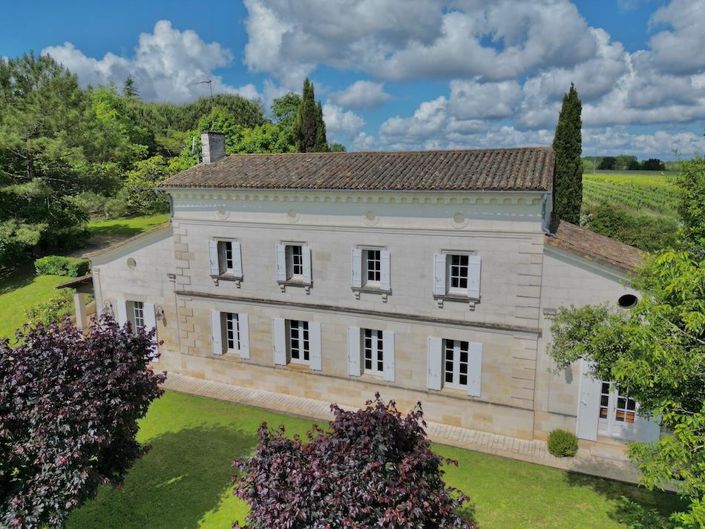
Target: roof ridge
[{"x": 413, "y": 151}]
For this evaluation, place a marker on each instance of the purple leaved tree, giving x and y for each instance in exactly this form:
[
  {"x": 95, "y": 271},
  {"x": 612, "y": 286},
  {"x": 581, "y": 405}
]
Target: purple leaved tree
[
  {"x": 69, "y": 405},
  {"x": 372, "y": 468}
]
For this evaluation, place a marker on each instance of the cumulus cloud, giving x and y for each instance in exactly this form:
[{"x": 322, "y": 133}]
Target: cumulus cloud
[
  {"x": 341, "y": 122},
  {"x": 410, "y": 39},
  {"x": 362, "y": 94},
  {"x": 472, "y": 99},
  {"x": 166, "y": 65}
]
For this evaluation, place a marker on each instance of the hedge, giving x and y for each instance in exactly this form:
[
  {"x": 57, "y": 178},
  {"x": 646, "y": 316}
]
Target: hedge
[
  {"x": 58, "y": 265},
  {"x": 562, "y": 443}
]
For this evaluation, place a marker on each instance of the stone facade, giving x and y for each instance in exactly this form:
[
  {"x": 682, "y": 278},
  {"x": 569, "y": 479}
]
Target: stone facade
[{"x": 522, "y": 282}]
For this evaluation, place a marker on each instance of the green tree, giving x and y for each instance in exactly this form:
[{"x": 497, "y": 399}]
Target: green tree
[
  {"x": 567, "y": 144},
  {"x": 128, "y": 88},
  {"x": 656, "y": 351},
  {"x": 309, "y": 129}
]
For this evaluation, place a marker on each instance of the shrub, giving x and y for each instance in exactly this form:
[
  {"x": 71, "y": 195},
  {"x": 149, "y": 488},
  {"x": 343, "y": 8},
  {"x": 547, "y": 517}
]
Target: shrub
[
  {"x": 58, "y": 265},
  {"x": 69, "y": 406},
  {"x": 562, "y": 443},
  {"x": 371, "y": 468},
  {"x": 54, "y": 309}
]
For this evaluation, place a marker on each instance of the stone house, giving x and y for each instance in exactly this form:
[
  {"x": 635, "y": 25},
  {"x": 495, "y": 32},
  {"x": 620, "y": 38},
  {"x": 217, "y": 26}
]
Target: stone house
[{"x": 424, "y": 276}]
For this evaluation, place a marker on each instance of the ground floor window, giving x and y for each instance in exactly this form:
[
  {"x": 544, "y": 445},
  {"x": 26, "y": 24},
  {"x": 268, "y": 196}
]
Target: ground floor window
[
  {"x": 616, "y": 405},
  {"x": 232, "y": 331},
  {"x": 455, "y": 363},
  {"x": 299, "y": 341},
  {"x": 373, "y": 347}
]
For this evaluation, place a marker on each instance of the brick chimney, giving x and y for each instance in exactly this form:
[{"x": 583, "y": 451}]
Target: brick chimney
[{"x": 212, "y": 146}]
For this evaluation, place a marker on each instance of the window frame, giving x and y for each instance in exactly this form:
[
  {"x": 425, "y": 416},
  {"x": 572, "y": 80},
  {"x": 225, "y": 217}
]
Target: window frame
[
  {"x": 228, "y": 320},
  {"x": 457, "y": 364},
  {"x": 303, "y": 338},
  {"x": 291, "y": 265},
  {"x": 225, "y": 246},
  {"x": 376, "y": 350},
  {"x": 377, "y": 270},
  {"x": 457, "y": 291},
  {"x": 135, "y": 318}
]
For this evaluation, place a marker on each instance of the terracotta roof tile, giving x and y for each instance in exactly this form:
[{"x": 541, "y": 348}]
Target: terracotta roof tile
[
  {"x": 595, "y": 247},
  {"x": 519, "y": 169}
]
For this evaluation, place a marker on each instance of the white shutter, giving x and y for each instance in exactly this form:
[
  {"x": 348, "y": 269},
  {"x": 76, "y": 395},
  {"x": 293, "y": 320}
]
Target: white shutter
[
  {"x": 314, "y": 332},
  {"x": 388, "y": 353},
  {"x": 435, "y": 362},
  {"x": 354, "y": 352},
  {"x": 588, "y": 404},
  {"x": 306, "y": 254},
  {"x": 475, "y": 266},
  {"x": 217, "y": 332},
  {"x": 385, "y": 272},
  {"x": 244, "y": 327},
  {"x": 356, "y": 267},
  {"x": 475, "y": 369},
  {"x": 279, "y": 341},
  {"x": 213, "y": 257},
  {"x": 121, "y": 306},
  {"x": 237, "y": 259},
  {"x": 439, "y": 274},
  {"x": 281, "y": 263}
]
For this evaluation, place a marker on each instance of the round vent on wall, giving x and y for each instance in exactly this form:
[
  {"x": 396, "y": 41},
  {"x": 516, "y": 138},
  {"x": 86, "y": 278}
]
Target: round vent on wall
[{"x": 131, "y": 263}]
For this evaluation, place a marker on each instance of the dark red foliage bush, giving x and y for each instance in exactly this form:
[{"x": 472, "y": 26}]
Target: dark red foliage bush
[
  {"x": 372, "y": 468},
  {"x": 69, "y": 405}
]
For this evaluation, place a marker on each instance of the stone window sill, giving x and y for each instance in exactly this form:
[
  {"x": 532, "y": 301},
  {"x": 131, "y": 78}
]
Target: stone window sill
[
  {"x": 372, "y": 290},
  {"x": 456, "y": 298}
]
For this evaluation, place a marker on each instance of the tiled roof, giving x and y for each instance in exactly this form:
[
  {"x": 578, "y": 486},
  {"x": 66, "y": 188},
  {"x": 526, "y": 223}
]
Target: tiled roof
[
  {"x": 595, "y": 247},
  {"x": 520, "y": 169}
]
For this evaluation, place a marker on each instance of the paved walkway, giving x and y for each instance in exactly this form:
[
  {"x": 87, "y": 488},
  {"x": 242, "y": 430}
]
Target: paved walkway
[{"x": 606, "y": 465}]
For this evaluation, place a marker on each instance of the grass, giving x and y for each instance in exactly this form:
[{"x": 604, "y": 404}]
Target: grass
[
  {"x": 651, "y": 193},
  {"x": 184, "y": 480},
  {"x": 18, "y": 292},
  {"x": 125, "y": 227}
]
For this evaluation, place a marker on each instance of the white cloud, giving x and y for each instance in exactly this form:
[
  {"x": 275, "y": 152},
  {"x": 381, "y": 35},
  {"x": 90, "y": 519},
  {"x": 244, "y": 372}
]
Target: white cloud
[
  {"x": 167, "y": 64},
  {"x": 411, "y": 39},
  {"x": 341, "y": 122},
  {"x": 473, "y": 100},
  {"x": 679, "y": 48},
  {"x": 362, "y": 94}
]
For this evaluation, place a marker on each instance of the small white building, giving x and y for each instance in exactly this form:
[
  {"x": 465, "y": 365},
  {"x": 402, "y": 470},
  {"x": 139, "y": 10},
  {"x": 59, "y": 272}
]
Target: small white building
[{"x": 424, "y": 276}]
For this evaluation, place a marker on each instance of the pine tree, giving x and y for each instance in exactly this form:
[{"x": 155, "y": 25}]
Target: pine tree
[
  {"x": 309, "y": 129},
  {"x": 129, "y": 89},
  {"x": 567, "y": 144}
]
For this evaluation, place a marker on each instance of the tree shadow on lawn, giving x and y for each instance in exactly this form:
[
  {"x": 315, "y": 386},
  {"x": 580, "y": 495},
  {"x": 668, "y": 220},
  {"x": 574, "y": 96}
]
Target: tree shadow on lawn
[
  {"x": 182, "y": 477},
  {"x": 635, "y": 507}
]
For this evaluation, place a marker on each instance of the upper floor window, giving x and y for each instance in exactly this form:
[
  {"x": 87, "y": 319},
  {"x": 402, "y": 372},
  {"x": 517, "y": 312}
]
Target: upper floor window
[
  {"x": 294, "y": 261},
  {"x": 225, "y": 258},
  {"x": 457, "y": 274},
  {"x": 293, "y": 264},
  {"x": 371, "y": 270}
]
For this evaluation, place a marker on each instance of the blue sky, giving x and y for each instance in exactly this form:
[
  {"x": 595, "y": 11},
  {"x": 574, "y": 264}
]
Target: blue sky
[{"x": 405, "y": 74}]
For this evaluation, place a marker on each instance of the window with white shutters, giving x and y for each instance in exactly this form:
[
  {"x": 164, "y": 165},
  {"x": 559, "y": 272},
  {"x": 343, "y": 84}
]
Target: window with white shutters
[
  {"x": 458, "y": 267},
  {"x": 137, "y": 314},
  {"x": 371, "y": 270},
  {"x": 456, "y": 275},
  {"x": 373, "y": 266},
  {"x": 225, "y": 257},
  {"x": 294, "y": 262}
]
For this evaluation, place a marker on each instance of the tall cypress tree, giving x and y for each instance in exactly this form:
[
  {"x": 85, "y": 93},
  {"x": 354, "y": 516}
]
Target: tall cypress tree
[
  {"x": 321, "y": 140},
  {"x": 568, "y": 146},
  {"x": 309, "y": 130}
]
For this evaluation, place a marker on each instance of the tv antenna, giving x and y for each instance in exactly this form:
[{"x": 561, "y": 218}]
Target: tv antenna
[{"x": 209, "y": 82}]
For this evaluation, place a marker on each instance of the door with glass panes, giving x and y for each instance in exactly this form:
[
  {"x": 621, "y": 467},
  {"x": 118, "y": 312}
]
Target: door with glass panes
[{"x": 618, "y": 413}]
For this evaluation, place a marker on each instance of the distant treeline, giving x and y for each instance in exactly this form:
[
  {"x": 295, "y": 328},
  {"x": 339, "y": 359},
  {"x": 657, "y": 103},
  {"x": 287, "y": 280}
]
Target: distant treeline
[{"x": 627, "y": 162}]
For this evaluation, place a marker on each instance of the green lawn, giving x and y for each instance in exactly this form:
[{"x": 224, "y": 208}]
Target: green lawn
[
  {"x": 20, "y": 291},
  {"x": 183, "y": 482},
  {"x": 125, "y": 227}
]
